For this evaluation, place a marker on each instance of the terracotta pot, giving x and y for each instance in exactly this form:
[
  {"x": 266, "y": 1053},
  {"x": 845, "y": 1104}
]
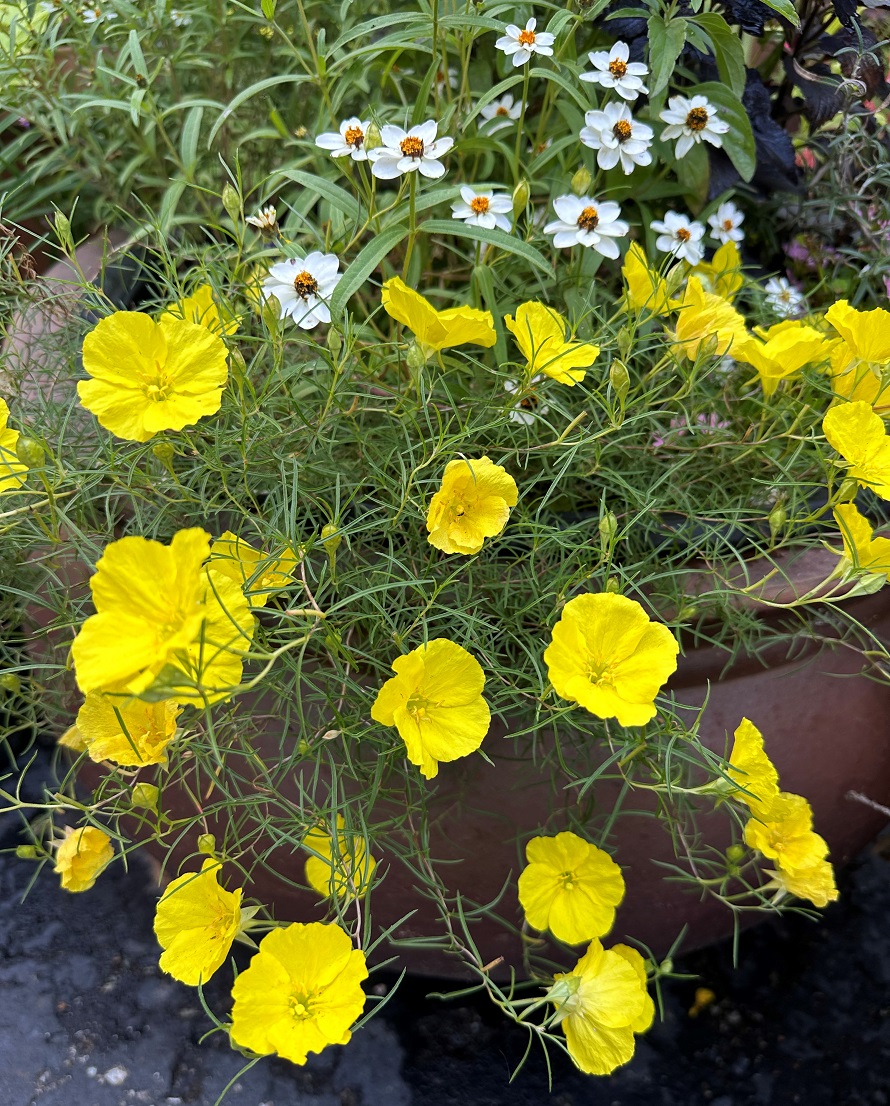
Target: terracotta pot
[{"x": 825, "y": 720}]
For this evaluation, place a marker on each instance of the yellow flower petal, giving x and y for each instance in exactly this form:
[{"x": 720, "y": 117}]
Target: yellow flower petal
[
  {"x": 259, "y": 575},
  {"x": 12, "y": 471},
  {"x": 782, "y": 830},
  {"x": 472, "y": 504},
  {"x": 125, "y": 730},
  {"x": 783, "y": 350},
  {"x": 201, "y": 308},
  {"x": 540, "y": 333},
  {"x": 82, "y": 857},
  {"x": 437, "y": 330},
  {"x": 750, "y": 767},
  {"x": 707, "y": 323},
  {"x": 857, "y": 433},
  {"x": 863, "y": 552},
  {"x": 815, "y": 883},
  {"x": 343, "y": 867},
  {"x": 867, "y": 333},
  {"x": 195, "y": 923},
  {"x": 645, "y": 289}
]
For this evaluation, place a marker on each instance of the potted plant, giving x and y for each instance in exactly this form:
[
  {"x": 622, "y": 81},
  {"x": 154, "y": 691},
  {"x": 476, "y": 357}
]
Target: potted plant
[{"x": 454, "y": 556}]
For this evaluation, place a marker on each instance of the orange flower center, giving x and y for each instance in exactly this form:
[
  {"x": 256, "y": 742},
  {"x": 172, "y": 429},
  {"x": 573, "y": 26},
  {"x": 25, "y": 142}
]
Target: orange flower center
[
  {"x": 479, "y": 205},
  {"x": 305, "y": 285},
  {"x": 502, "y": 110},
  {"x": 697, "y": 119},
  {"x": 727, "y": 224},
  {"x": 412, "y": 146},
  {"x": 354, "y": 136},
  {"x": 622, "y": 130},
  {"x": 618, "y": 68},
  {"x": 588, "y": 219},
  {"x": 526, "y": 38},
  {"x": 683, "y": 234}
]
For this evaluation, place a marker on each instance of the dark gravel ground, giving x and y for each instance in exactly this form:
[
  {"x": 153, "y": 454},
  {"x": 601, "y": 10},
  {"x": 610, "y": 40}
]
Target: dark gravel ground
[{"x": 86, "y": 1019}]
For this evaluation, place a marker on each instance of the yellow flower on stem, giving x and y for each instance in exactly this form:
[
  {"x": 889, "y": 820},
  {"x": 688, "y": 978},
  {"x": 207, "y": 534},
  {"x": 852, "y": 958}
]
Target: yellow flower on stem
[
  {"x": 82, "y": 857},
  {"x": 782, "y": 351},
  {"x": 148, "y": 376},
  {"x": 259, "y": 575},
  {"x": 707, "y": 323},
  {"x": 126, "y": 730},
  {"x": 201, "y": 308},
  {"x": 12, "y": 471},
  {"x": 815, "y": 883},
  {"x": 437, "y": 330},
  {"x": 608, "y": 656},
  {"x": 863, "y": 552},
  {"x": 645, "y": 289},
  {"x": 569, "y": 887},
  {"x": 722, "y": 275},
  {"x": 195, "y": 923},
  {"x": 860, "y": 361},
  {"x": 600, "y": 1004},
  {"x": 435, "y": 702},
  {"x": 472, "y": 504},
  {"x": 343, "y": 867},
  {"x": 301, "y": 992},
  {"x": 782, "y": 830},
  {"x": 858, "y": 435},
  {"x": 750, "y": 767},
  {"x": 540, "y": 333}
]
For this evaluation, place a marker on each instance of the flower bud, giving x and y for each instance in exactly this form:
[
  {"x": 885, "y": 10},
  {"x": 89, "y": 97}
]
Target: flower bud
[
  {"x": 237, "y": 365},
  {"x": 735, "y": 853},
  {"x": 145, "y": 795},
  {"x": 272, "y": 314},
  {"x": 613, "y": 585},
  {"x": 415, "y": 358},
  {"x": 335, "y": 341},
  {"x": 521, "y": 195},
  {"x": 848, "y": 490},
  {"x": 231, "y": 201},
  {"x": 30, "y": 452},
  {"x": 608, "y": 528},
  {"x": 331, "y": 538},
  {"x": 619, "y": 378},
  {"x": 625, "y": 341},
  {"x": 63, "y": 231},
  {"x": 10, "y": 682},
  {"x": 207, "y": 844},
  {"x": 372, "y": 137},
  {"x": 777, "y": 518},
  {"x": 165, "y": 454},
  {"x": 27, "y": 852},
  {"x": 581, "y": 181}
]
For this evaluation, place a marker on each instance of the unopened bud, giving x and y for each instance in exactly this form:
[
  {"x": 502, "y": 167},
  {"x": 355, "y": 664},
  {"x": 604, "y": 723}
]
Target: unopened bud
[
  {"x": 687, "y": 613},
  {"x": 237, "y": 365},
  {"x": 777, "y": 519},
  {"x": 848, "y": 490},
  {"x": 735, "y": 853},
  {"x": 613, "y": 585},
  {"x": 608, "y": 528},
  {"x": 231, "y": 201},
  {"x": 331, "y": 537},
  {"x": 619, "y": 378},
  {"x": 145, "y": 795},
  {"x": 207, "y": 844},
  {"x": 521, "y": 195},
  {"x": 372, "y": 137},
  {"x": 10, "y": 682},
  {"x": 272, "y": 314},
  {"x": 335, "y": 341},
  {"x": 581, "y": 181},
  {"x": 625, "y": 341},
  {"x": 27, "y": 852},
  {"x": 30, "y": 452},
  {"x": 62, "y": 226},
  {"x": 165, "y": 454}
]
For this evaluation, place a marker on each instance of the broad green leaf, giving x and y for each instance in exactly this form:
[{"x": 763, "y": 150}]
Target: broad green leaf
[
  {"x": 786, "y": 9},
  {"x": 269, "y": 9},
  {"x": 666, "y": 40},
  {"x": 738, "y": 142},
  {"x": 728, "y": 51},
  {"x": 497, "y": 238},
  {"x": 364, "y": 264},
  {"x": 136, "y": 55},
  {"x": 336, "y": 196}
]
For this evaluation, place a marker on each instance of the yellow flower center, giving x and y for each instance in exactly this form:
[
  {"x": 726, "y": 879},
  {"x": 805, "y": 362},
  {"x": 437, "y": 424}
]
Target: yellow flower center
[
  {"x": 412, "y": 146},
  {"x": 305, "y": 284},
  {"x": 568, "y": 880},
  {"x": 300, "y": 1006},
  {"x": 526, "y": 38},
  {"x": 697, "y": 119},
  {"x": 622, "y": 130},
  {"x": 588, "y": 219},
  {"x": 162, "y": 386},
  {"x": 354, "y": 137},
  {"x": 418, "y": 707},
  {"x": 479, "y": 205},
  {"x": 618, "y": 68},
  {"x": 601, "y": 673}
]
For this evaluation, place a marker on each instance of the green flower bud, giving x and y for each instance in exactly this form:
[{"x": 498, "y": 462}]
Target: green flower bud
[
  {"x": 625, "y": 340},
  {"x": 27, "y": 852},
  {"x": 613, "y": 585},
  {"x": 687, "y": 613},
  {"x": 30, "y": 452},
  {"x": 848, "y": 490},
  {"x": 231, "y": 201},
  {"x": 415, "y": 358},
  {"x": 237, "y": 365},
  {"x": 619, "y": 378},
  {"x": 9, "y": 681},
  {"x": 62, "y": 226},
  {"x": 165, "y": 454},
  {"x": 331, "y": 538},
  {"x": 335, "y": 341},
  {"x": 521, "y": 195},
  {"x": 608, "y": 528},
  {"x": 581, "y": 181},
  {"x": 777, "y": 518},
  {"x": 272, "y": 314},
  {"x": 207, "y": 844},
  {"x": 146, "y": 796},
  {"x": 372, "y": 137},
  {"x": 735, "y": 854}
]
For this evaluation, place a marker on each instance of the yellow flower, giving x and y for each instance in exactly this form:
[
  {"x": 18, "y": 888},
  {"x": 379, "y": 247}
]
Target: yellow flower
[
  {"x": 347, "y": 877},
  {"x": 600, "y": 1002},
  {"x": 82, "y": 857},
  {"x": 157, "y": 606},
  {"x": 863, "y": 552},
  {"x": 437, "y": 330},
  {"x": 750, "y": 767},
  {"x": 570, "y": 887},
  {"x": 149, "y": 376},
  {"x": 608, "y": 656},
  {"x": 782, "y": 830},
  {"x": 196, "y": 922},
  {"x": 815, "y": 883},
  {"x": 435, "y": 702},
  {"x": 646, "y": 290},
  {"x": 73, "y": 739},
  {"x": 12, "y": 471},
  {"x": 857, "y": 433},
  {"x": 859, "y": 362},
  {"x": 472, "y": 504},
  {"x": 257, "y": 574},
  {"x": 540, "y": 333},
  {"x": 126, "y": 730},
  {"x": 781, "y": 351},
  {"x": 636, "y": 961},
  {"x": 201, "y": 308},
  {"x": 722, "y": 275},
  {"x": 707, "y": 323},
  {"x": 301, "y": 992}
]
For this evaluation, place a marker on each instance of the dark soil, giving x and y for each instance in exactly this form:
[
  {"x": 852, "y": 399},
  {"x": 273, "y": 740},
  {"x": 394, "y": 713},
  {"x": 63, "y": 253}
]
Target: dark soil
[{"x": 86, "y": 1018}]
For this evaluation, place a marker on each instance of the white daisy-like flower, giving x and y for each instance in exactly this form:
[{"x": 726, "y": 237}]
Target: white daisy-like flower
[
  {"x": 266, "y": 219},
  {"x": 692, "y": 121},
  {"x": 451, "y": 78},
  {"x": 50, "y": 7},
  {"x": 94, "y": 14},
  {"x": 680, "y": 236},
  {"x": 521, "y": 44},
  {"x": 417, "y": 150},
  {"x": 178, "y": 18},
  {"x": 587, "y": 222},
  {"x": 529, "y": 407},
  {"x": 784, "y": 298},
  {"x": 726, "y": 223},
  {"x": 611, "y": 69},
  {"x": 302, "y": 287},
  {"x": 349, "y": 141},
  {"x": 483, "y": 209},
  {"x": 617, "y": 137},
  {"x": 500, "y": 113}
]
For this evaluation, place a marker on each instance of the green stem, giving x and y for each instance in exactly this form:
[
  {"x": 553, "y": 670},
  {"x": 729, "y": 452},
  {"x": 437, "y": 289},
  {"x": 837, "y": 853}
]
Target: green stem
[
  {"x": 412, "y": 223},
  {"x": 521, "y": 124}
]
